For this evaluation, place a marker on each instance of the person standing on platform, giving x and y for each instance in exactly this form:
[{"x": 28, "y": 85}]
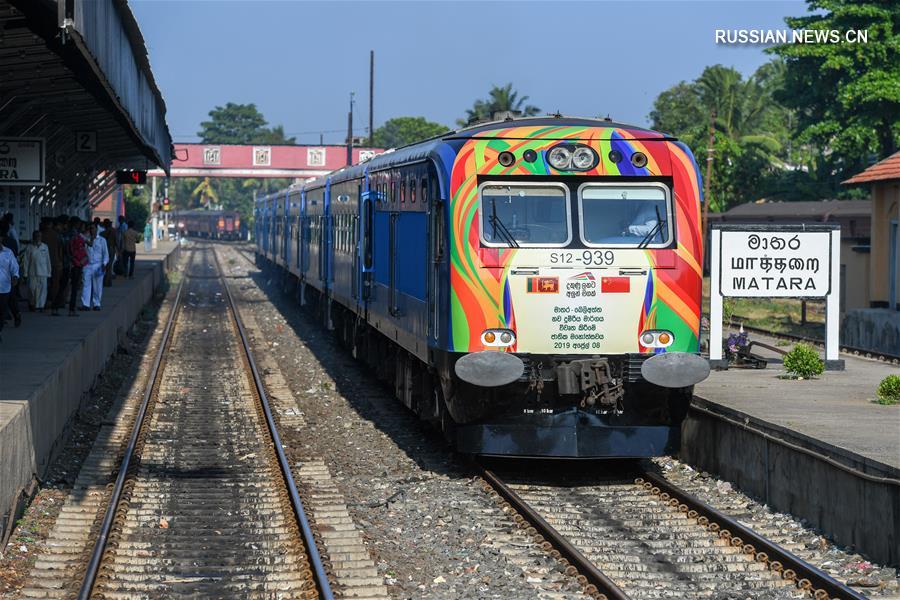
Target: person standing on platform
[
  {"x": 121, "y": 226},
  {"x": 148, "y": 237},
  {"x": 129, "y": 248},
  {"x": 37, "y": 271},
  {"x": 78, "y": 253},
  {"x": 50, "y": 236},
  {"x": 110, "y": 236},
  {"x": 65, "y": 236},
  {"x": 98, "y": 258},
  {"x": 11, "y": 302},
  {"x": 9, "y": 278}
]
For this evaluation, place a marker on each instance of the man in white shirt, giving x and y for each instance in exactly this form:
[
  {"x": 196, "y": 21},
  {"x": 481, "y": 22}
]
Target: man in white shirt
[
  {"x": 9, "y": 276},
  {"x": 37, "y": 270},
  {"x": 98, "y": 257}
]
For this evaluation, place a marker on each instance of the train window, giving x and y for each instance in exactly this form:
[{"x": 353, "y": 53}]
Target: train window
[
  {"x": 392, "y": 197},
  {"x": 412, "y": 190},
  {"x": 403, "y": 192},
  {"x": 424, "y": 190},
  {"x": 524, "y": 214},
  {"x": 627, "y": 215}
]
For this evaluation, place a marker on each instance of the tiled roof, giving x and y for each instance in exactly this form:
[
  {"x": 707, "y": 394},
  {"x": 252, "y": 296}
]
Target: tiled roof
[
  {"x": 886, "y": 170},
  {"x": 807, "y": 210}
]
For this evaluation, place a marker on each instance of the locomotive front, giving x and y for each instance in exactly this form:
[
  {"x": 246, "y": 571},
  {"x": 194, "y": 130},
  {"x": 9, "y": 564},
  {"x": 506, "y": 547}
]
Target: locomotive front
[{"x": 575, "y": 290}]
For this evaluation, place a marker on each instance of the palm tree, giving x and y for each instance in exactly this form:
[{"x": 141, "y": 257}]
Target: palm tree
[
  {"x": 500, "y": 99},
  {"x": 206, "y": 193}
]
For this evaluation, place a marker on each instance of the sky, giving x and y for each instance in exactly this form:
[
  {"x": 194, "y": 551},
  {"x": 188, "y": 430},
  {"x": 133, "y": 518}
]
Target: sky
[{"x": 298, "y": 61}]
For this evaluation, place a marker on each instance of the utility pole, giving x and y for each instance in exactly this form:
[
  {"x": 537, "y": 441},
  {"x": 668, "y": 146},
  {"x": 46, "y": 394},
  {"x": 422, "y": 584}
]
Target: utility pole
[
  {"x": 350, "y": 132},
  {"x": 371, "y": 97},
  {"x": 709, "y": 162},
  {"x": 153, "y": 213}
]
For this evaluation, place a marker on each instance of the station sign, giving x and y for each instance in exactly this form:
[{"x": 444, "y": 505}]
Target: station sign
[
  {"x": 775, "y": 261},
  {"x": 23, "y": 161},
  {"x": 775, "y": 264}
]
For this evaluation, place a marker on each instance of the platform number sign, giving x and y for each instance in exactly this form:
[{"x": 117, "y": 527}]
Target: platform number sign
[
  {"x": 131, "y": 177},
  {"x": 85, "y": 141}
]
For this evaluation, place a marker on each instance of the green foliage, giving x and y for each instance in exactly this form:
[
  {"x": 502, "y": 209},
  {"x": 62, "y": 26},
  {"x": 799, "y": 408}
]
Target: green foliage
[
  {"x": 728, "y": 309},
  {"x": 240, "y": 124},
  {"x": 803, "y": 362},
  {"x": 401, "y": 131},
  {"x": 136, "y": 205},
  {"x": 889, "y": 390},
  {"x": 752, "y": 139},
  {"x": 500, "y": 98},
  {"x": 846, "y": 96}
]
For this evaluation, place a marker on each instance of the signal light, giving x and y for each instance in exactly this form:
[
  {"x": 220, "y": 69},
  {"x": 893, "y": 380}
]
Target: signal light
[
  {"x": 529, "y": 156},
  {"x": 498, "y": 338},
  {"x": 657, "y": 338},
  {"x": 506, "y": 158},
  {"x": 614, "y": 156}
]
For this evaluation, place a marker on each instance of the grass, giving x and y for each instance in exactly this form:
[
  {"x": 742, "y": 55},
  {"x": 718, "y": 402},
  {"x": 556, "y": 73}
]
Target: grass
[{"x": 779, "y": 315}]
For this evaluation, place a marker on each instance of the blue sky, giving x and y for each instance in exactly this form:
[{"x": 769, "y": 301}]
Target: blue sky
[{"x": 298, "y": 61}]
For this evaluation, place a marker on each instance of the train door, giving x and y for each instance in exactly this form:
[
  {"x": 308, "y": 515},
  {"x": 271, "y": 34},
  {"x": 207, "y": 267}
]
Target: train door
[
  {"x": 431, "y": 197},
  {"x": 366, "y": 249},
  {"x": 286, "y": 229}
]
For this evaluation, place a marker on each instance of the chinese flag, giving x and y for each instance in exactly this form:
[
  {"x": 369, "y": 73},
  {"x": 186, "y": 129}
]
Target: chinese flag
[{"x": 615, "y": 285}]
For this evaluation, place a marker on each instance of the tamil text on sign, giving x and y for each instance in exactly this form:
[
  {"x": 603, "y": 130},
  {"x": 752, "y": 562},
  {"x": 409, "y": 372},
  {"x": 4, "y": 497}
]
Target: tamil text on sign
[
  {"x": 766, "y": 264},
  {"x": 22, "y": 161}
]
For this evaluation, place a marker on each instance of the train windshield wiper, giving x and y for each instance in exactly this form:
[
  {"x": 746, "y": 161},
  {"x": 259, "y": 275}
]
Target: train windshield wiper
[
  {"x": 497, "y": 225},
  {"x": 660, "y": 223}
]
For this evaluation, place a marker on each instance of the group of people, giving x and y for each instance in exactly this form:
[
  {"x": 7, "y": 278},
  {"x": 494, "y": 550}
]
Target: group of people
[{"x": 67, "y": 258}]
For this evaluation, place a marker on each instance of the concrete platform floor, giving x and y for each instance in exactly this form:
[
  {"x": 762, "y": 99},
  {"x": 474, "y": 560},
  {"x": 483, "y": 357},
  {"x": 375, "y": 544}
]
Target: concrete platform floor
[
  {"x": 49, "y": 363},
  {"x": 834, "y": 411}
]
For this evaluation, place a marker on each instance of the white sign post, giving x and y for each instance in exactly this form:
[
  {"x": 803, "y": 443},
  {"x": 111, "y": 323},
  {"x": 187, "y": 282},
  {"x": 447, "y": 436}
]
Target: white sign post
[
  {"x": 775, "y": 261},
  {"x": 22, "y": 161}
]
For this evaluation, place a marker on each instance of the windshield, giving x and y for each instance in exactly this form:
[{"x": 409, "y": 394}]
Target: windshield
[
  {"x": 525, "y": 215},
  {"x": 618, "y": 215}
]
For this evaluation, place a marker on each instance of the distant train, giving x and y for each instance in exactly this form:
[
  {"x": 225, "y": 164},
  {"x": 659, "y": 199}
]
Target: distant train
[
  {"x": 212, "y": 224},
  {"x": 533, "y": 286}
]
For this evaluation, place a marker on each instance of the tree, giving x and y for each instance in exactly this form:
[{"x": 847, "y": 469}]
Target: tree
[
  {"x": 136, "y": 208},
  {"x": 401, "y": 131},
  {"x": 751, "y": 148},
  {"x": 240, "y": 124},
  {"x": 846, "y": 95},
  {"x": 499, "y": 99}
]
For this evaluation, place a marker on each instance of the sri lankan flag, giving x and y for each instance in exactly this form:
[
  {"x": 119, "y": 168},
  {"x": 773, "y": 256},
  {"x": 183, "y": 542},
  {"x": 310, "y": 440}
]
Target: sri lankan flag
[{"x": 543, "y": 285}]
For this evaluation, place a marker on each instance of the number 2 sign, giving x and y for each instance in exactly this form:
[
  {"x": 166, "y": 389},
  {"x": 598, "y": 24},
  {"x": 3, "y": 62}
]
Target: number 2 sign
[{"x": 85, "y": 141}]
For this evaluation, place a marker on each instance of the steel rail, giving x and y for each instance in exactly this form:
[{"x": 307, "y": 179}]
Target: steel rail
[
  {"x": 852, "y": 350},
  {"x": 595, "y": 576},
  {"x": 312, "y": 550},
  {"x": 805, "y": 576},
  {"x": 90, "y": 576}
]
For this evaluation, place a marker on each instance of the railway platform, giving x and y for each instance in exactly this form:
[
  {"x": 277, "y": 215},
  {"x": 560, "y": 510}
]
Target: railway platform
[
  {"x": 48, "y": 365},
  {"x": 821, "y": 449}
]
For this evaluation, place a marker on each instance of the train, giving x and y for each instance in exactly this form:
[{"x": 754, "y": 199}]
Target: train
[
  {"x": 531, "y": 286},
  {"x": 211, "y": 224}
]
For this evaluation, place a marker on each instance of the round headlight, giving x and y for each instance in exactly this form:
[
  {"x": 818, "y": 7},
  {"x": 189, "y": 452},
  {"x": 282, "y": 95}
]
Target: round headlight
[
  {"x": 505, "y": 337},
  {"x": 639, "y": 160},
  {"x": 583, "y": 158},
  {"x": 529, "y": 156},
  {"x": 560, "y": 158},
  {"x": 665, "y": 338},
  {"x": 506, "y": 158},
  {"x": 647, "y": 338},
  {"x": 489, "y": 337},
  {"x": 614, "y": 156}
]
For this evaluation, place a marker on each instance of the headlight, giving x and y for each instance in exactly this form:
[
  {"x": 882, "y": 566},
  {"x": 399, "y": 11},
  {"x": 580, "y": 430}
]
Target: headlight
[
  {"x": 506, "y": 158},
  {"x": 657, "y": 338},
  {"x": 560, "y": 158},
  {"x": 583, "y": 158},
  {"x": 498, "y": 338},
  {"x": 639, "y": 160}
]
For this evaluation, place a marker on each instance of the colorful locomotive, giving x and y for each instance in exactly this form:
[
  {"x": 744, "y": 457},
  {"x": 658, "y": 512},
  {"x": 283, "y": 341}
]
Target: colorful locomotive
[
  {"x": 212, "y": 224},
  {"x": 520, "y": 282}
]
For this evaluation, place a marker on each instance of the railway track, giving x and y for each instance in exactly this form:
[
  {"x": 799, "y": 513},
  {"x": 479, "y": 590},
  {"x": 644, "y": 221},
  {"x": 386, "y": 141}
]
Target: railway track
[
  {"x": 863, "y": 352},
  {"x": 632, "y": 534},
  {"x": 204, "y": 504}
]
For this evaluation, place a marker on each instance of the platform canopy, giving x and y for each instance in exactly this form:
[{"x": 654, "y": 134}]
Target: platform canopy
[{"x": 76, "y": 79}]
